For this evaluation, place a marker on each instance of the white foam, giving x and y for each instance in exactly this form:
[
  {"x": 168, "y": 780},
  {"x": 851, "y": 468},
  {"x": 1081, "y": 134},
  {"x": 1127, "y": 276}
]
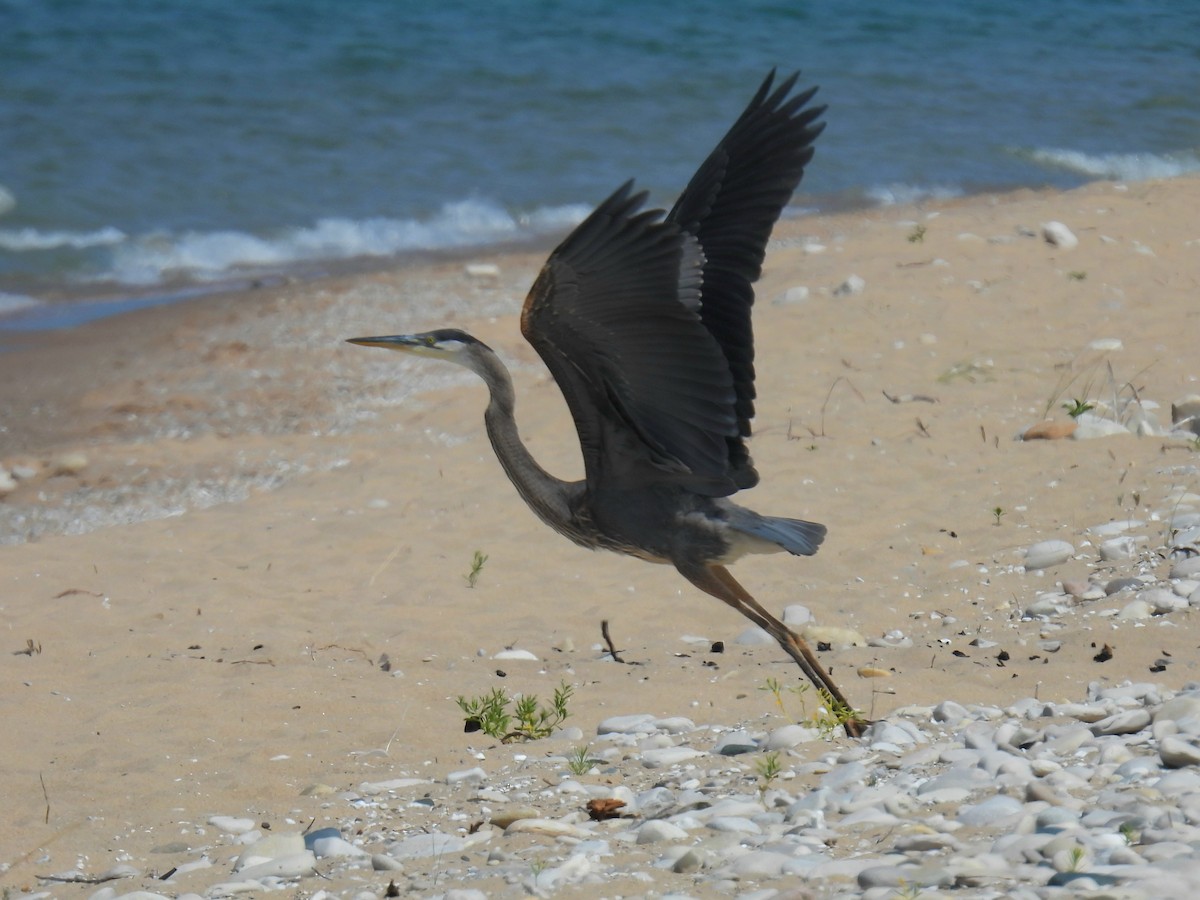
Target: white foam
[
  {"x": 904, "y": 194},
  {"x": 21, "y": 240},
  {"x": 208, "y": 255},
  {"x": 1121, "y": 166},
  {"x": 11, "y": 303}
]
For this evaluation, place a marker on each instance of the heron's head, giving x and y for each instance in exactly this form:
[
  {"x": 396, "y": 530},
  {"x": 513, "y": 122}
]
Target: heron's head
[{"x": 449, "y": 344}]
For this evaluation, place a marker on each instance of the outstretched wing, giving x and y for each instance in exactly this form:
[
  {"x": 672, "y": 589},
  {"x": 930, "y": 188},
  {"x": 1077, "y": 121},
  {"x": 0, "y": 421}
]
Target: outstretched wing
[
  {"x": 730, "y": 207},
  {"x": 614, "y": 314},
  {"x": 644, "y": 321}
]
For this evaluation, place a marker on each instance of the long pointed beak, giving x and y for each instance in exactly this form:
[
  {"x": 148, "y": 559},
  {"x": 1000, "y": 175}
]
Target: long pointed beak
[{"x": 389, "y": 342}]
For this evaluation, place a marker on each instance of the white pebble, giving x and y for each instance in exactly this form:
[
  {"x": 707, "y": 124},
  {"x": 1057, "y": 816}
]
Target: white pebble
[
  {"x": 481, "y": 270},
  {"x": 668, "y": 756},
  {"x": 335, "y": 846},
  {"x": 295, "y": 866},
  {"x": 631, "y": 724},
  {"x": 796, "y": 615},
  {"x": 1162, "y": 601},
  {"x": 232, "y": 824},
  {"x": 1118, "y": 548},
  {"x": 277, "y": 845},
  {"x": 1059, "y": 235},
  {"x": 517, "y": 654},
  {"x": 1089, "y": 427},
  {"x": 1135, "y": 609}
]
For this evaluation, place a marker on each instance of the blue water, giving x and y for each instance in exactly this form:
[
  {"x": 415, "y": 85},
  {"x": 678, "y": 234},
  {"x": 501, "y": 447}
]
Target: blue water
[{"x": 150, "y": 142}]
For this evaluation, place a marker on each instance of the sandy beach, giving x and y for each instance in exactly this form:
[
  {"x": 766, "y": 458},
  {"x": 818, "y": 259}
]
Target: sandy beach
[{"x": 234, "y": 563}]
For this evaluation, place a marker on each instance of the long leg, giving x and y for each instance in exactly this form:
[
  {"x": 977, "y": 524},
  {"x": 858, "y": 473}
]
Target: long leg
[{"x": 717, "y": 581}]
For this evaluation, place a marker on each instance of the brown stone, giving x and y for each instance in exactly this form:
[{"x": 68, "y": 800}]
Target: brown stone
[{"x": 1049, "y": 431}]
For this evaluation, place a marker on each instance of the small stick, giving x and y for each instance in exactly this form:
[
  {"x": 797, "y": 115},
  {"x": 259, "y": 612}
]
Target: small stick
[
  {"x": 608, "y": 640},
  {"x": 910, "y": 398}
]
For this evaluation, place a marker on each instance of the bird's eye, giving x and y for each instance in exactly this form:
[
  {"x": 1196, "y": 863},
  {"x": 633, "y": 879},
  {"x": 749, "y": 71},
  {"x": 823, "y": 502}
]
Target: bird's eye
[{"x": 429, "y": 340}]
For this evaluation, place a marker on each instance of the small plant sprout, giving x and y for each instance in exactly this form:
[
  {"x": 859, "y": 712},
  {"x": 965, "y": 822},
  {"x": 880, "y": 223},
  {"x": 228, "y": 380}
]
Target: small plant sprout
[
  {"x": 917, "y": 235},
  {"x": 488, "y": 714},
  {"x": 1077, "y": 275},
  {"x": 476, "y": 568},
  {"x": 1130, "y": 832},
  {"x": 773, "y": 686},
  {"x": 998, "y": 512},
  {"x": 1075, "y": 859},
  {"x": 1076, "y": 407},
  {"x": 768, "y": 769},
  {"x": 580, "y": 762},
  {"x": 528, "y": 720},
  {"x": 833, "y": 716}
]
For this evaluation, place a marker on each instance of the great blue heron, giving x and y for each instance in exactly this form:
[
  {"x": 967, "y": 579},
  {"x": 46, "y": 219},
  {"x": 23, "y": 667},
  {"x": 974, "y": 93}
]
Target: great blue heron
[{"x": 644, "y": 321}]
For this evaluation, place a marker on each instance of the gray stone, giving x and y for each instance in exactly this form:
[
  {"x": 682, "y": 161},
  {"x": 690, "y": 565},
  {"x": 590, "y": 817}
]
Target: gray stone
[
  {"x": 631, "y": 724},
  {"x": 1045, "y": 554},
  {"x": 903, "y": 876},
  {"x": 788, "y": 736},
  {"x": 1130, "y": 721},
  {"x": 1162, "y": 600},
  {"x": 657, "y": 830},
  {"x": 991, "y": 811},
  {"x": 1186, "y": 568},
  {"x": 852, "y": 286},
  {"x": 1175, "y": 752}
]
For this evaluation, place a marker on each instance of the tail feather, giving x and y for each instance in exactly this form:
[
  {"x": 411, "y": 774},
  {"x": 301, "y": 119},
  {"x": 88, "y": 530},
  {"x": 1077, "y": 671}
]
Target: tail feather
[{"x": 796, "y": 536}]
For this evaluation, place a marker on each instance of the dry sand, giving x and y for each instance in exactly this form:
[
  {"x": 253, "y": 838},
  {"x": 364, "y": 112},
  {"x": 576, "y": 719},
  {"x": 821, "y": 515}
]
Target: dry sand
[{"x": 325, "y": 502}]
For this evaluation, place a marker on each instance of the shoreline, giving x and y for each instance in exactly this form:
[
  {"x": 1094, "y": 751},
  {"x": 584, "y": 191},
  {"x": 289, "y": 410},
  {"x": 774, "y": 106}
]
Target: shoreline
[
  {"x": 69, "y": 306},
  {"x": 60, "y": 375}
]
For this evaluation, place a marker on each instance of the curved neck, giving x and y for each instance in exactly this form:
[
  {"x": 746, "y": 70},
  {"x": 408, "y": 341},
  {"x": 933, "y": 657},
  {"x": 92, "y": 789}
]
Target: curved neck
[{"x": 546, "y": 495}]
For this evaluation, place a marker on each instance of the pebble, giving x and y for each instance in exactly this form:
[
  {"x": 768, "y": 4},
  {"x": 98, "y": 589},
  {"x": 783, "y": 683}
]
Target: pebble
[
  {"x": 1090, "y": 426},
  {"x": 1049, "y": 431},
  {"x": 1096, "y": 796},
  {"x": 467, "y": 776},
  {"x": 1186, "y": 568},
  {"x": 1117, "y": 548},
  {"x": 233, "y": 824},
  {"x": 797, "y": 294},
  {"x": 668, "y": 756},
  {"x": 1162, "y": 600},
  {"x": 1059, "y": 235},
  {"x": 630, "y": 724},
  {"x": 72, "y": 463},
  {"x": 1045, "y": 554},
  {"x": 1176, "y": 752},
  {"x": 481, "y": 270},
  {"x": 852, "y": 286},
  {"x": 518, "y": 655},
  {"x": 656, "y": 830}
]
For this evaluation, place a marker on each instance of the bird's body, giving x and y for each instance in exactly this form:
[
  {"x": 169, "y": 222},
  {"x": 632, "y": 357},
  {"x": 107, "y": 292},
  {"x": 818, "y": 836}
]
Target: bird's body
[{"x": 643, "y": 318}]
